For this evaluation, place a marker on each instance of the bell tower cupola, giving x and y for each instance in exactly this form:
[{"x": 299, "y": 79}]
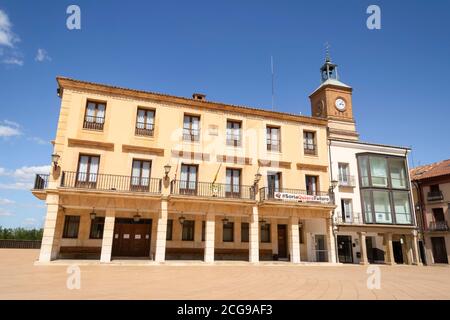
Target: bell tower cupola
[{"x": 332, "y": 100}]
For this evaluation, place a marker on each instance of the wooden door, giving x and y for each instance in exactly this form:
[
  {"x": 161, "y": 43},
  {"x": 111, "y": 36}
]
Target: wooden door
[
  {"x": 282, "y": 241},
  {"x": 131, "y": 239},
  {"x": 439, "y": 250}
]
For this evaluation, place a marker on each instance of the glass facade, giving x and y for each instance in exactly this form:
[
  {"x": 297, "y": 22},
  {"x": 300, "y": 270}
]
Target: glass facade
[{"x": 384, "y": 189}]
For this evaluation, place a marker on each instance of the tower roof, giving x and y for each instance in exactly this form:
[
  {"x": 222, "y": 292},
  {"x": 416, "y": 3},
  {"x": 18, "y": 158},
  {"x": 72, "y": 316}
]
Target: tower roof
[{"x": 331, "y": 82}]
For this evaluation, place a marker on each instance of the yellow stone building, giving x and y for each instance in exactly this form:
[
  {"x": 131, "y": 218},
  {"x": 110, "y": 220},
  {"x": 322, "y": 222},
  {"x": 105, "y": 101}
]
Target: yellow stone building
[{"x": 159, "y": 177}]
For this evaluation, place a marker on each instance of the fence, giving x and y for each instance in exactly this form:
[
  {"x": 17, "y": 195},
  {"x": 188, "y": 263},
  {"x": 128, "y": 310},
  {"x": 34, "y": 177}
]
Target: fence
[{"x": 20, "y": 244}]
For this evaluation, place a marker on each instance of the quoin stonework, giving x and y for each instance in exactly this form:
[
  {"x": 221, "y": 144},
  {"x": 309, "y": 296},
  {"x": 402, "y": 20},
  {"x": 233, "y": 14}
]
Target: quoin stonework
[{"x": 138, "y": 174}]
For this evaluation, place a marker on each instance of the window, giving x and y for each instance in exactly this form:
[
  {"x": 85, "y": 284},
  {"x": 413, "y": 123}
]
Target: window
[
  {"x": 312, "y": 185},
  {"x": 233, "y": 183},
  {"x": 273, "y": 138},
  {"x": 434, "y": 188},
  {"x": 402, "y": 207},
  {"x": 382, "y": 207},
  {"x": 188, "y": 182},
  {"x": 398, "y": 173},
  {"x": 94, "y": 118},
  {"x": 364, "y": 170},
  {"x": 438, "y": 214},
  {"x": 191, "y": 128},
  {"x": 71, "y": 225},
  {"x": 309, "y": 144},
  {"x": 233, "y": 133},
  {"x": 378, "y": 172},
  {"x": 203, "y": 230},
  {"x": 347, "y": 212},
  {"x": 188, "y": 230},
  {"x": 140, "y": 175},
  {"x": 228, "y": 231},
  {"x": 169, "y": 229},
  {"x": 87, "y": 171},
  {"x": 245, "y": 231},
  {"x": 145, "y": 122},
  {"x": 265, "y": 232},
  {"x": 367, "y": 205},
  {"x": 273, "y": 183},
  {"x": 344, "y": 174},
  {"x": 97, "y": 225}
]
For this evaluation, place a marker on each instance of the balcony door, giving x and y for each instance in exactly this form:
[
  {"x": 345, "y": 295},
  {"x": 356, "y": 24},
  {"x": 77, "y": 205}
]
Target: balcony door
[
  {"x": 233, "y": 183},
  {"x": 312, "y": 185},
  {"x": 140, "y": 175},
  {"x": 273, "y": 183},
  {"x": 344, "y": 174},
  {"x": 188, "y": 182},
  {"x": 347, "y": 212},
  {"x": 87, "y": 171}
]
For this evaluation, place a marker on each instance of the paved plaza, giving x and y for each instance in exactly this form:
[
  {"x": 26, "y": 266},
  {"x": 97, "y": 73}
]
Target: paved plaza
[{"x": 20, "y": 278}]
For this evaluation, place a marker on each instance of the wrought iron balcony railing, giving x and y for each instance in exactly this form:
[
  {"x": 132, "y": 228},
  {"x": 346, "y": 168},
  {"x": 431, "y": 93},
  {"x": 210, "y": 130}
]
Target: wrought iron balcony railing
[
  {"x": 191, "y": 134},
  {"x": 435, "y": 196},
  {"x": 346, "y": 180},
  {"x": 214, "y": 190},
  {"x": 438, "y": 226},
  {"x": 353, "y": 218},
  {"x": 144, "y": 129},
  {"x": 294, "y": 195},
  {"x": 41, "y": 181},
  {"x": 109, "y": 182},
  {"x": 310, "y": 148},
  {"x": 93, "y": 123}
]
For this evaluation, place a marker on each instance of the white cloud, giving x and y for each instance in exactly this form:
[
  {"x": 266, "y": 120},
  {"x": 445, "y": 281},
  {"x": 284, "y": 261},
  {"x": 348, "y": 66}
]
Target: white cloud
[
  {"x": 28, "y": 173},
  {"x": 17, "y": 186},
  {"x": 2, "y": 171},
  {"x": 22, "y": 178},
  {"x": 4, "y": 201},
  {"x": 30, "y": 221},
  {"x": 6, "y": 131},
  {"x": 7, "y": 37},
  {"x": 42, "y": 55},
  {"x": 13, "y": 61},
  {"x": 38, "y": 140},
  {"x": 5, "y": 213}
]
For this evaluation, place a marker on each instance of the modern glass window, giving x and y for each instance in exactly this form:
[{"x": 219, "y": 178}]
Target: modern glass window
[
  {"x": 364, "y": 170},
  {"x": 233, "y": 183},
  {"x": 309, "y": 142},
  {"x": 398, "y": 173},
  {"x": 97, "y": 226},
  {"x": 402, "y": 207},
  {"x": 378, "y": 172},
  {"x": 191, "y": 128},
  {"x": 145, "y": 122},
  {"x": 188, "y": 179},
  {"x": 273, "y": 138},
  {"x": 367, "y": 205},
  {"x": 265, "y": 232},
  {"x": 245, "y": 231},
  {"x": 140, "y": 174},
  {"x": 169, "y": 229},
  {"x": 87, "y": 170},
  {"x": 234, "y": 133},
  {"x": 312, "y": 184},
  {"x": 188, "y": 230},
  {"x": 382, "y": 206},
  {"x": 71, "y": 226},
  {"x": 228, "y": 231},
  {"x": 94, "y": 118}
]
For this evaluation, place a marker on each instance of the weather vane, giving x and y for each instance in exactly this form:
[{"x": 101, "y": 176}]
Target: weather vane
[{"x": 327, "y": 51}]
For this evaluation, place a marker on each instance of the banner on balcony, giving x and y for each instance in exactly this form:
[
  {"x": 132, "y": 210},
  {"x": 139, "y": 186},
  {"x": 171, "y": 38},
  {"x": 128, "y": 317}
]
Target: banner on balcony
[{"x": 297, "y": 197}]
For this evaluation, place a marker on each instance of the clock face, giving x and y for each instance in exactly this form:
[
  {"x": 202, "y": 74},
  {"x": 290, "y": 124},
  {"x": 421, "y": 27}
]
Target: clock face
[{"x": 340, "y": 104}]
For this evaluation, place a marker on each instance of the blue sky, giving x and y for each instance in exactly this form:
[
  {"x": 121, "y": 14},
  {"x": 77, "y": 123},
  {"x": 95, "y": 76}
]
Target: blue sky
[{"x": 400, "y": 74}]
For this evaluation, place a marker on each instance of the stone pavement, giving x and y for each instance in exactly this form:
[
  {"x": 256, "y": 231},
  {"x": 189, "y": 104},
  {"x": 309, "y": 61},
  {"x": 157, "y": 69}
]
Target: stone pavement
[{"x": 21, "y": 279}]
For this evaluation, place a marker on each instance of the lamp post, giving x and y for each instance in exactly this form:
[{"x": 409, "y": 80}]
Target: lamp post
[
  {"x": 137, "y": 217},
  {"x": 93, "y": 215},
  {"x": 167, "y": 168},
  {"x": 333, "y": 185},
  {"x": 55, "y": 160},
  {"x": 182, "y": 219}
]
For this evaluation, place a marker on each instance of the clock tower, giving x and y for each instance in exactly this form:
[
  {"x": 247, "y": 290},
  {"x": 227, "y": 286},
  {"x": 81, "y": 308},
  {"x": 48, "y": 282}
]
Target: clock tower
[{"x": 332, "y": 100}]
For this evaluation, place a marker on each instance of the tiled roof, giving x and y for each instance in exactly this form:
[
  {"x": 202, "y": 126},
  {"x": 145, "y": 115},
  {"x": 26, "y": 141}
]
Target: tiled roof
[{"x": 431, "y": 170}]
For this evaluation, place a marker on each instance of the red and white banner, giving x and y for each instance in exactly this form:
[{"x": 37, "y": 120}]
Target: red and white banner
[{"x": 286, "y": 196}]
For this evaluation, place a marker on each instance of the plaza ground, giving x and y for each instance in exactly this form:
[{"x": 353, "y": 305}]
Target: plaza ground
[{"x": 20, "y": 278}]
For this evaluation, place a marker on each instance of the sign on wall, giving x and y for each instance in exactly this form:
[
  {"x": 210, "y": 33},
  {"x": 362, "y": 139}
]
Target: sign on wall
[{"x": 297, "y": 197}]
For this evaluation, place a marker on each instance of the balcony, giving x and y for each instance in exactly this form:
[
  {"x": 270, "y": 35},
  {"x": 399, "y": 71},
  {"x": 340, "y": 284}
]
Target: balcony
[
  {"x": 191, "y": 134},
  {"x": 144, "y": 129},
  {"x": 93, "y": 123},
  {"x": 211, "y": 190},
  {"x": 438, "y": 226},
  {"x": 41, "y": 181},
  {"x": 346, "y": 181},
  {"x": 353, "y": 218},
  {"x": 294, "y": 195},
  {"x": 435, "y": 195},
  {"x": 310, "y": 149},
  {"x": 109, "y": 182}
]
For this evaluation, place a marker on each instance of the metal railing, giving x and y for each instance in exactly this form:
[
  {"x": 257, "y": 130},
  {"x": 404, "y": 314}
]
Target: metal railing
[
  {"x": 310, "y": 148},
  {"x": 354, "y": 218},
  {"x": 214, "y": 190},
  {"x": 144, "y": 129},
  {"x": 109, "y": 182},
  {"x": 438, "y": 226},
  {"x": 41, "y": 181},
  {"x": 93, "y": 123},
  {"x": 20, "y": 244},
  {"x": 273, "y": 145},
  {"x": 294, "y": 195},
  {"x": 346, "y": 180},
  {"x": 435, "y": 195},
  {"x": 234, "y": 140},
  {"x": 191, "y": 134}
]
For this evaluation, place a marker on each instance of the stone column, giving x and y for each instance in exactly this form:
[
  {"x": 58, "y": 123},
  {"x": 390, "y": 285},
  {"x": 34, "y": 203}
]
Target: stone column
[
  {"x": 415, "y": 249},
  {"x": 330, "y": 241},
  {"x": 294, "y": 240},
  {"x": 363, "y": 248},
  {"x": 108, "y": 235},
  {"x": 389, "y": 252},
  {"x": 253, "y": 244},
  {"x": 210, "y": 228},
  {"x": 161, "y": 232},
  {"x": 50, "y": 238}
]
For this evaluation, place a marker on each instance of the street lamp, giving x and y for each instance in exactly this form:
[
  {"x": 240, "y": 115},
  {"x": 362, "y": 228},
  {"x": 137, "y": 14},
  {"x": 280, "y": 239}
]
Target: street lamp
[
  {"x": 182, "y": 219},
  {"x": 257, "y": 178},
  {"x": 167, "y": 168},
  {"x": 137, "y": 216},
  {"x": 93, "y": 214},
  {"x": 55, "y": 160}
]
